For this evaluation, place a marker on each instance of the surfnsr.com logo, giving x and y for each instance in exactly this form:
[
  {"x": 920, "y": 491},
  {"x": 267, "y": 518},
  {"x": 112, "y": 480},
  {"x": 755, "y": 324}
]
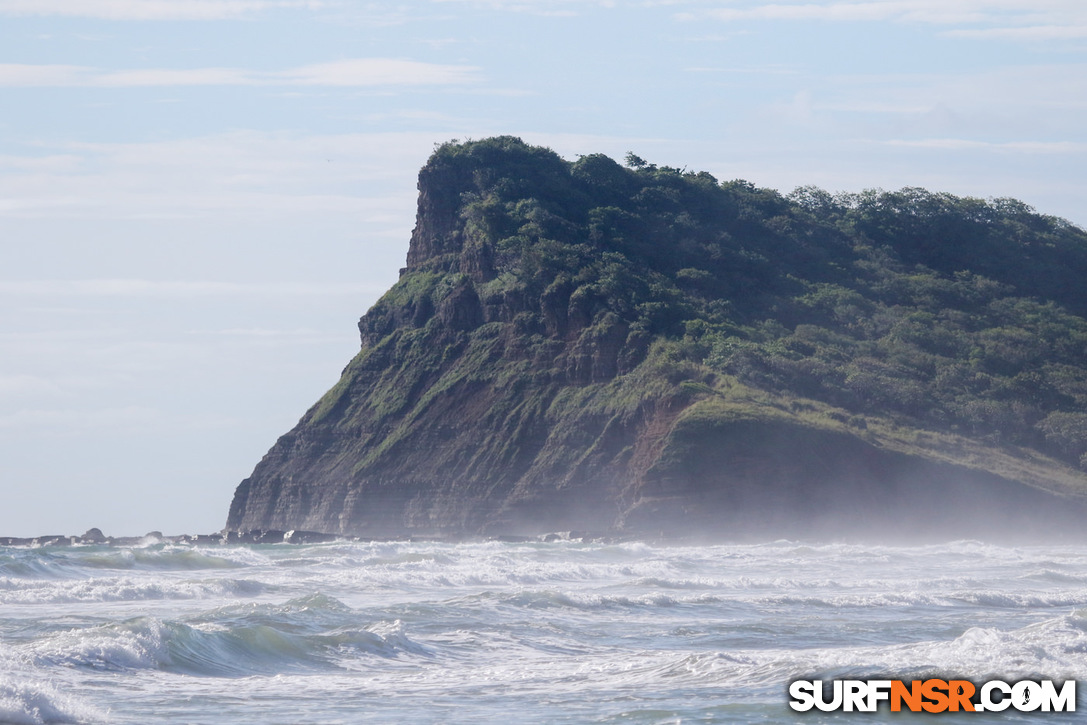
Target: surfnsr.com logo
[{"x": 933, "y": 695}]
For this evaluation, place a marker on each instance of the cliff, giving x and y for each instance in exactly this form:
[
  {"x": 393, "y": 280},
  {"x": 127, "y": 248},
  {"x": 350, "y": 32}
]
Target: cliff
[{"x": 647, "y": 351}]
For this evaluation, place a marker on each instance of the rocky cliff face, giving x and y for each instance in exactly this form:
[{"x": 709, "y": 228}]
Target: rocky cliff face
[{"x": 523, "y": 376}]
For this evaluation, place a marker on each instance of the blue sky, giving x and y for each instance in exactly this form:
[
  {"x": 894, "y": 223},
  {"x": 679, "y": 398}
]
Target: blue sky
[{"x": 199, "y": 198}]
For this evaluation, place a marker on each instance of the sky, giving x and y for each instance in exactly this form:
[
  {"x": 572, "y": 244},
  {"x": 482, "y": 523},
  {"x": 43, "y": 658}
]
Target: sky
[{"x": 199, "y": 198}]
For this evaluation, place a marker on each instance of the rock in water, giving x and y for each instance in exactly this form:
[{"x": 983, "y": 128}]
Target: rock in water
[{"x": 646, "y": 351}]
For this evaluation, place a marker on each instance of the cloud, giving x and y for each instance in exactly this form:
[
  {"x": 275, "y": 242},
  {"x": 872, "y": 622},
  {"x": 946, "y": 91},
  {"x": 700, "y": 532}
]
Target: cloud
[
  {"x": 752, "y": 70},
  {"x": 25, "y": 385},
  {"x": 269, "y": 333},
  {"x": 810, "y": 11},
  {"x": 358, "y": 72},
  {"x": 124, "y": 418},
  {"x": 176, "y": 288},
  {"x": 164, "y": 77},
  {"x": 550, "y": 8},
  {"x": 1019, "y": 19},
  {"x": 376, "y": 71},
  {"x": 151, "y": 9},
  {"x": 1032, "y": 32},
  {"x": 961, "y": 144},
  {"x": 16, "y": 74},
  {"x": 364, "y": 178},
  {"x": 1049, "y": 101},
  {"x": 375, "y": 14}
]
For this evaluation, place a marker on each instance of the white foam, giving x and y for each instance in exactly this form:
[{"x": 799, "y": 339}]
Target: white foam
[
  {"x": 36, "y": 703},
  {"x": 135, "y": 644},
  {"x": 120, "y": 589},
  {"x": 530, "y": 626}
]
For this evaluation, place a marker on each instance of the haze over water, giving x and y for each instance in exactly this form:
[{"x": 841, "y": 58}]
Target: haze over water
[{"x": 538, "y": 632}]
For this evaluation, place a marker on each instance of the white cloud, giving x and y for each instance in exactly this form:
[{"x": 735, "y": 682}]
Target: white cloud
[
  {"x": 1049, "y": 103},
  {"x": 860, "y": 105},
  {"x": 376, "y": 71},
  {"x": 1031, "y": 32},
  {"x": 176, "y": 288},
  {"x": 753, "y": 70},
  {"x": 40, "y": 164},
  {"x": 166, "y": 77},
  {"x": 810, "y": 11},
  {"x": 360, "y": 72},
  {"x": 368, "y": 178},
  {"x": 1008, "y": 15},
  {"x": 264, "y": 332},
  {"x": 1025, "y": 147},
  {"x": 24, "y": 385},
  {"x": 126, "y": 417},
  {"x": 551, "y": 8},
  {"x": 150, "y": 9},
  {"x": 17, "y": 74}
]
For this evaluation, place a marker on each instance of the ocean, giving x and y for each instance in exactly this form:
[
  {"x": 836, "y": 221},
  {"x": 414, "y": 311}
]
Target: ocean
[{"x": 529, "y": 632}]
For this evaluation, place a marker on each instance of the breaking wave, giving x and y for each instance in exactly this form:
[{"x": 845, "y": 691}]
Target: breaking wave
[
  {"x": 310, "y": 634},
  {"x": 24, "y": 702},
  {"x": 584, "y": 631},
  {"x": 121, "y": 589}
]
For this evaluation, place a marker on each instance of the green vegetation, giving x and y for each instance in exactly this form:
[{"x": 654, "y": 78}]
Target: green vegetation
[
  {"x": 942, "y": 313},
  {"x": 605, "y": 329}
]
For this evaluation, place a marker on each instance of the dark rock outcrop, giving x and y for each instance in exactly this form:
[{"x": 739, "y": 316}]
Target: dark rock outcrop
[{"x": 537, "y": 369}]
